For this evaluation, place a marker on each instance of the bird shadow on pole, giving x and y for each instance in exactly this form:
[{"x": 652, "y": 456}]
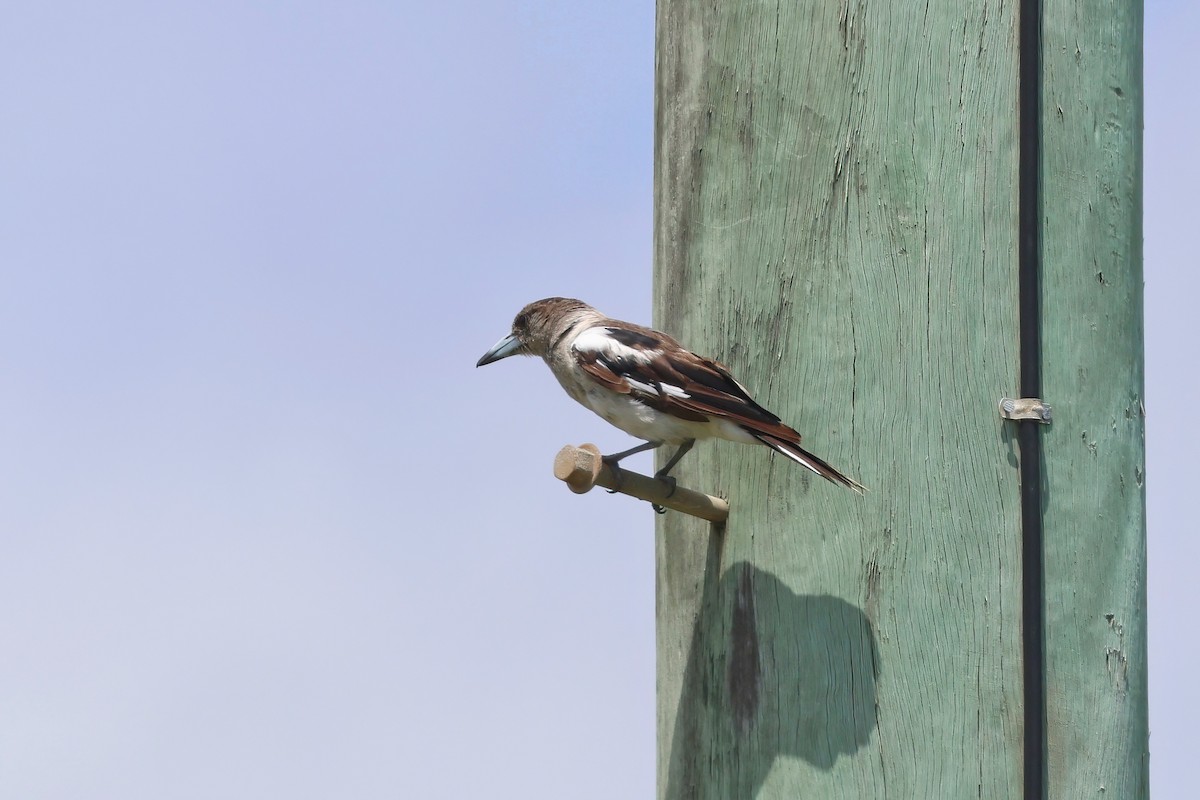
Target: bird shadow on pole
[{"x": 796, "y": 682}]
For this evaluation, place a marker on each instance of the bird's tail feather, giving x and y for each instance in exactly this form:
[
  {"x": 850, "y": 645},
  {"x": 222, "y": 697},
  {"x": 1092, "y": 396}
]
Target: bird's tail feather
[{"x": 801, "y": 456}]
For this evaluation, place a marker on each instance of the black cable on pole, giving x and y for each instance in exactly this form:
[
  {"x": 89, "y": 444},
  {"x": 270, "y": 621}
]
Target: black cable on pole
[{"x": 1033, "y": 599}]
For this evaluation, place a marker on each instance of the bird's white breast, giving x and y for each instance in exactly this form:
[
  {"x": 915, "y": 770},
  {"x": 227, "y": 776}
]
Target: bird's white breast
[{"x": 640, "y": 420}]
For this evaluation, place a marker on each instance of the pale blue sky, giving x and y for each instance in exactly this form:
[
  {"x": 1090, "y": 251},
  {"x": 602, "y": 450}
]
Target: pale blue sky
[{"x": 264, "y": 531}]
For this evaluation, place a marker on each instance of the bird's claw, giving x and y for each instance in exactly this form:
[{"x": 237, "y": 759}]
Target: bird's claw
[
  {"x": 611, "y": 463},
  {"x": 671, "y": 486}
]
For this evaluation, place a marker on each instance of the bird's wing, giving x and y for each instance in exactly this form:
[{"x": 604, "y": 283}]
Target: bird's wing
[{"x": 656, "y": 370}]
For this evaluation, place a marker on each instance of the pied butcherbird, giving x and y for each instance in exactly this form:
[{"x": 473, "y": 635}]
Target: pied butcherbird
[{"x": 648, "y": 385}]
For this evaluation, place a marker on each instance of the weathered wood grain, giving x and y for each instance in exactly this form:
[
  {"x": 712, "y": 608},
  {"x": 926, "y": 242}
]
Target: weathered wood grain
[
  {"x": 836, "y": 220},
  {"x": 1092, "y": 374}
]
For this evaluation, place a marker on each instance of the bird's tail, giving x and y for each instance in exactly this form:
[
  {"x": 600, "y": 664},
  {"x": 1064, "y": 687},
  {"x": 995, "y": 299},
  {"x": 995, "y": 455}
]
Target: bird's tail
[{"x": 801, "y": 456}]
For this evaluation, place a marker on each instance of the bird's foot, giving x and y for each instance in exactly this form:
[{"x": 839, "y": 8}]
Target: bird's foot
[
  {"x": 612, "y": 463},
  {"x": 671, "y": 486},
  {"x": 615, "y": 458}
]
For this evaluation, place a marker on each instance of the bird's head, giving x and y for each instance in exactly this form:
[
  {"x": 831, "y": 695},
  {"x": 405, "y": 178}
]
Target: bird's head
[{"x": 537, "y": 327}]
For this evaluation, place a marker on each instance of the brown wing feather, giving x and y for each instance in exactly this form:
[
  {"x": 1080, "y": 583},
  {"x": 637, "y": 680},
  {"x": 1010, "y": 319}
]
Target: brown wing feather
[
  {"x": 603, "y": 375},
  {"x": 714, "y": 391}
]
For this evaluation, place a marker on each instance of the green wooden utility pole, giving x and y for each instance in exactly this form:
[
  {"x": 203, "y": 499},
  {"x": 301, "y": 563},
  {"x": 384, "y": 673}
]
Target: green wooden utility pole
[{"x": 848, "y": 212}]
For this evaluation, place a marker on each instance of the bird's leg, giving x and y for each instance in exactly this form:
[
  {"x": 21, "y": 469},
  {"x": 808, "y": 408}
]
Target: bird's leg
[
  {"x": 615, "y": 458},
  {"x": 671, "y": 462}
]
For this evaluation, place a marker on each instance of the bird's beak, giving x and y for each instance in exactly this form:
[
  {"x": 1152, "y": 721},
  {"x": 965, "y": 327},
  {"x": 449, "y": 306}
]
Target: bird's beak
[{"x": 504, "y": 348}]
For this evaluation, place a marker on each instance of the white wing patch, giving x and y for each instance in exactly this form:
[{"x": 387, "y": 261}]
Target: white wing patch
[
  {"x": 597, "y": 340},
  {"x": 644, "y": 388},
  {"x": 659, "y": 389}
]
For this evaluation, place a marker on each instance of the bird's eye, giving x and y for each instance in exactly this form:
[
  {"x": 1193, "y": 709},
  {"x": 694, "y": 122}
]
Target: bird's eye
[{"x": 521, "y": 322}]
